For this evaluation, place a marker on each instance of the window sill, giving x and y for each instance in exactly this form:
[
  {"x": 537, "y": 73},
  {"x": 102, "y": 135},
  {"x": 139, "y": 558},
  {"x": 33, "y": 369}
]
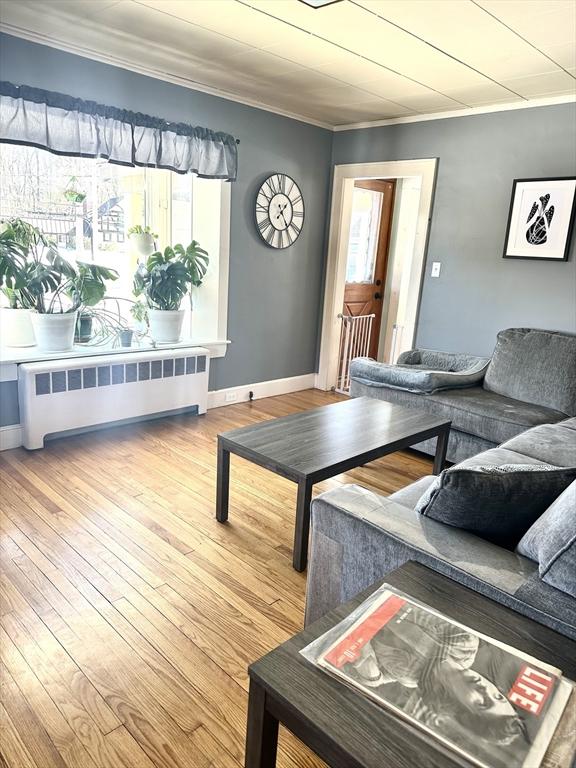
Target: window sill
[{"x": 16, "y": 355}]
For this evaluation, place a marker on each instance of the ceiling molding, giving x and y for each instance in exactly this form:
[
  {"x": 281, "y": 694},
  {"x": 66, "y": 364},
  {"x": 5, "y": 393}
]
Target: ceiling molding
[
  {"x": 548, "y": 101},
  {"x": 193, "y": 85},
  {"x": 89, "y": 53}
]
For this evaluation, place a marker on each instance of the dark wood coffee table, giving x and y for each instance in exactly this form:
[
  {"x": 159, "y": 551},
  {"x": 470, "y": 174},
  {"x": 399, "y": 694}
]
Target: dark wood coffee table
[
  {"x": 348, "y": 730},
  {"x": 314, "y": 445}
]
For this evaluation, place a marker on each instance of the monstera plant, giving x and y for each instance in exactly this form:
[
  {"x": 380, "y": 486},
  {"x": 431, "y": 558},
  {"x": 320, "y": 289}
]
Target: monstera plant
[
  {"x": 164, "y": 280},
  {"x": 43, "y": 284}
]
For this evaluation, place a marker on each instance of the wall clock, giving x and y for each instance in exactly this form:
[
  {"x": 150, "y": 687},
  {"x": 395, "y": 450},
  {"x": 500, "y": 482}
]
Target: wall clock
[{"x": 279, "y": 210}]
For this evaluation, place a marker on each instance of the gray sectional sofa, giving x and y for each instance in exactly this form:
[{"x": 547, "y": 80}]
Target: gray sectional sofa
[
  {"x": 358, "y": 536},
  {"x": 530, "y": 380}
]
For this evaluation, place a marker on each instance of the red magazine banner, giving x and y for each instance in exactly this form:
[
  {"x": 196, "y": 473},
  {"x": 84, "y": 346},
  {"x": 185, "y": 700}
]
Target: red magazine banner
[
  {"x": 348, "y": 649},
  {"x": 531, "y": 689}
]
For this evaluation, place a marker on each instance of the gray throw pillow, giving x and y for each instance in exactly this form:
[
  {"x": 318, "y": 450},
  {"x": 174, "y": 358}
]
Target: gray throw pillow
[
  {"x": 498, "y": 503},
  {"x": 551, "y": 542}
]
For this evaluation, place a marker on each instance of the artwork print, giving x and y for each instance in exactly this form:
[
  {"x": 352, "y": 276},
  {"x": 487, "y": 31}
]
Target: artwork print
[{"x": 541, "y": 219}]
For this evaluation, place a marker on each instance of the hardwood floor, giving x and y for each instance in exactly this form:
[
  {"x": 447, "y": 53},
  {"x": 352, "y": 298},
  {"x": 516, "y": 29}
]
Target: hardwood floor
[{"x": 128, "y": 614}]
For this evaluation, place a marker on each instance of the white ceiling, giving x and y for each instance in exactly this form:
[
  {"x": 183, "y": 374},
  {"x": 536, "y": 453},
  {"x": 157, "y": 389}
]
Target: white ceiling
[{"x": 350, "y": 62}]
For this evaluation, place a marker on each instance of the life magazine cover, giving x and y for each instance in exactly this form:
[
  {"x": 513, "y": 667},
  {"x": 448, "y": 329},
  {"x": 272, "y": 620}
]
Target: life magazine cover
[{"x": 486, "y": 700}]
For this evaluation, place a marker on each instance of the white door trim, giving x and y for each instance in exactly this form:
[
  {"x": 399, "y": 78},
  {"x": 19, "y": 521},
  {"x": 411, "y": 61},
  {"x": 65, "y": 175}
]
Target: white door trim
[{"x": 342, "y": 189}]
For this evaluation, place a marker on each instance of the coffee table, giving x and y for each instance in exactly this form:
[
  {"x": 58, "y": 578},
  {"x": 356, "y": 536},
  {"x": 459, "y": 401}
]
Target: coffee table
[
  {"x": 346, "y": 729},
  {"x": 313, "y": 445}
]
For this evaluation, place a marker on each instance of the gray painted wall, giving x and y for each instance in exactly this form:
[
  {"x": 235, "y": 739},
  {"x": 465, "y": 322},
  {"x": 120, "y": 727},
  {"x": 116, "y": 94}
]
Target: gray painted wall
[
  {"x": 9, "y": 409},
  {"x": 274, "y": 296},
  {"x": 479, "y": 292}
]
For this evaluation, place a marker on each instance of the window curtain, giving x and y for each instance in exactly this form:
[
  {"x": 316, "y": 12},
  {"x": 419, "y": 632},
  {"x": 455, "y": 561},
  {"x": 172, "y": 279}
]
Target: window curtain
[{"x": 68, "y": 126}]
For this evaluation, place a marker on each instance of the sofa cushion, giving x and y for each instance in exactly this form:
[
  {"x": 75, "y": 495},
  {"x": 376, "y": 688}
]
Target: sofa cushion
[
  {"x": 551, "y": 443},
  {"x": 551, "y": 542},
  {"x": 496, "y": 457},
  {"x": 488, "y": 415},
  {"x": 498, "y": 503},
  {"x": 421, "y": 370},
  {"x": 411, "y": 494},
  {"x": 475, "y": 411},
  {"x": 535, "y": 366}
]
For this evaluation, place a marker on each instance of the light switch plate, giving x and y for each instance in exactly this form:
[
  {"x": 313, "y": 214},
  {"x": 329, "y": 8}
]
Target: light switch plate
[{"x": 435, "y": 269}]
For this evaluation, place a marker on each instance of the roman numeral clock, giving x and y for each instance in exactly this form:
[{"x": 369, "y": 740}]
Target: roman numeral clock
[{"x": 279, "y": 211}]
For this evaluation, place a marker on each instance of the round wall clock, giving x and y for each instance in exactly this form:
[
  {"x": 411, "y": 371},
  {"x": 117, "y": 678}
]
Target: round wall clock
[{"x": 279, "y": 210}]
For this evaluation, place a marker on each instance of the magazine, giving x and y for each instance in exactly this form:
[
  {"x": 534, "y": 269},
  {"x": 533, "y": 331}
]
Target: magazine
[{"x": 487, "y": 701}]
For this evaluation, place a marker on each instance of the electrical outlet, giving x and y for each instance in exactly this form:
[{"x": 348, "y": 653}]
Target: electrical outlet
[
  {"x": 230, "y": 397},
  {"x": 435, "y": 269}
]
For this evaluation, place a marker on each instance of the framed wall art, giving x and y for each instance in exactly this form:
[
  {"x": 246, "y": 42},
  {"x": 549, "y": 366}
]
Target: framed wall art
[{"x": 541, "y": 219}]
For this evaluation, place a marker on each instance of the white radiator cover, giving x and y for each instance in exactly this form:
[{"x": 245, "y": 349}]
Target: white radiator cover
[{"x": 60, "y": 395}]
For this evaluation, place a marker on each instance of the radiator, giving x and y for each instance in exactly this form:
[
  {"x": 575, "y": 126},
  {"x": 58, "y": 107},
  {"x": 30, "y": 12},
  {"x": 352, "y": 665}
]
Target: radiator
[{"x": 60, "y": 395}]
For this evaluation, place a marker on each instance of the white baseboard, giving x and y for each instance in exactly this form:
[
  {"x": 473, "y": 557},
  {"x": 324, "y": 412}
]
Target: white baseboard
[
  {"x": 10, "y": 437},
  {"x": 261, "y": 389},
  {"x": 319, "y": 383}
]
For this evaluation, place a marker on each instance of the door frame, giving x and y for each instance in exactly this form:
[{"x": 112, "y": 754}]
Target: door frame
[{"x": 342, "y": 191}]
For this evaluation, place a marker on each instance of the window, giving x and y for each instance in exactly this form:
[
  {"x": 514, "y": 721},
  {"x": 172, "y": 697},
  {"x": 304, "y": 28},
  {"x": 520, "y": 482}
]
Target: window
[
  {"x": 363, "y": 242},
  {"x": 88, "y": 205}
]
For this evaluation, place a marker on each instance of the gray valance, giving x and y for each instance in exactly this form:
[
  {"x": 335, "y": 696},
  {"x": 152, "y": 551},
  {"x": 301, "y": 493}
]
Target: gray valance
[{"x": 68, "y": 126}]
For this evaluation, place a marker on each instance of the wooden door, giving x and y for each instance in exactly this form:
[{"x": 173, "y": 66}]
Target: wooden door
[{"x": 372, "y": 208}]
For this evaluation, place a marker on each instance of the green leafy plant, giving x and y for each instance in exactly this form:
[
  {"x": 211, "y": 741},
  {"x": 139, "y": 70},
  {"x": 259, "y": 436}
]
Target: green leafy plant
[
  {"x": 138, "y": 229},
  {"x": 72, "y": 193},
  {"x": 88, "y": 288},
  {"x": 32, "y": 268},
  {"x": 139, "y": 312},
  {"x": 167, "y": 276},
  {"x": 33, "y": 275}
]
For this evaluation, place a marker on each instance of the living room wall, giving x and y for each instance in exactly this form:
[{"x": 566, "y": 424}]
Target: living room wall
[
  {"x": 273, "y": 313},
  {"x": 479, "y": 292}
]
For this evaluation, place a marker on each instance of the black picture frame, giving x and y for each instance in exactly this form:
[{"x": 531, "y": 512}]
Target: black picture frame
[{"x": 569, "y": 230}]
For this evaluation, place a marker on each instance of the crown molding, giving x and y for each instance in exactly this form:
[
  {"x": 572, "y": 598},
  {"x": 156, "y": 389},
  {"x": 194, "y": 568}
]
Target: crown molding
[
  {"x": 465, "y": 112},
  {"x": 193, "y": 85}
]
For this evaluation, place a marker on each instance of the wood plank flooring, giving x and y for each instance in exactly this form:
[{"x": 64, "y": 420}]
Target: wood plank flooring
[{"x": 128, "y": 614}]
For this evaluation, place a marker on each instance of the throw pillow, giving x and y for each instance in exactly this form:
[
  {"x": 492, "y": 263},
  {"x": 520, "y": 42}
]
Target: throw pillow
[
  {"x": 551, "y": 542},
  {"x": 498, "y": 503}
]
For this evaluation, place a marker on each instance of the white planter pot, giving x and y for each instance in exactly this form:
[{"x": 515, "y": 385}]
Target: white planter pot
[
  {"x": 16, "y": 328},
  {"x": 166, "y": 324},
  {"x": 143, "y": 244},
  {"x": 54, "y": 333}
]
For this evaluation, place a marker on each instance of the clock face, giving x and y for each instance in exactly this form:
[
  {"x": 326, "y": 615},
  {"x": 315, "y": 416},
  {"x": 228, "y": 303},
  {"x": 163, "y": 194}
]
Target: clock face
[{"x": 279, "y": 211}]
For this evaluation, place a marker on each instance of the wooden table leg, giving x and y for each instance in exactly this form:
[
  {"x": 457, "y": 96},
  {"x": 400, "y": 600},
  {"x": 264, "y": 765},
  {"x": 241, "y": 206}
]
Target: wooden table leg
[
  {"x": 441, "y": 448},
  {"x": 261, "y": 731},
  {"x": 300, "y": 553},
  {"x": 222, "y": 483}
]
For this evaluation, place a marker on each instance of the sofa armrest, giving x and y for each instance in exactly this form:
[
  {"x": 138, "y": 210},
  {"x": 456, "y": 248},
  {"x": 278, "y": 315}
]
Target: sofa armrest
[
  {"x": 421, "y": 371},
  {"x": 357, "y": 537}
]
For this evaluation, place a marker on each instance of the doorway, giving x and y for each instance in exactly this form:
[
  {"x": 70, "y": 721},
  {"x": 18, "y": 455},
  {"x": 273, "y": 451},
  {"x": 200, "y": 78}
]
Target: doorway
[
  {"x": 392, "y": 249},
  {"x": 367, "y": 257}
]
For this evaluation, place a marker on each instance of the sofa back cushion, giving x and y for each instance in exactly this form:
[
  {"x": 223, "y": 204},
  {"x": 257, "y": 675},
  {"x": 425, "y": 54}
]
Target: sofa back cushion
[
  {"x": 536, "y": 367},
  {"x": 497, "y": 503},
  {"x": 551, "y": 542}
]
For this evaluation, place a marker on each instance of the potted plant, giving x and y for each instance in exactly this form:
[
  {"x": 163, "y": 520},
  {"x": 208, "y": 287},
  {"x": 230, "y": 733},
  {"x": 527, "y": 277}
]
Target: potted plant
[
  {"x": 46, "y": 283},
  {"x": 143, "y": 239},
  {"x": 36, "y": 274},
  {"x": 16, "y": 324},
  {"x": 86, "y": 290},
  {"x": 108, "y": 327},
  {"x": 72, "y": 193},
  {"x": 164, "y": 280}
]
